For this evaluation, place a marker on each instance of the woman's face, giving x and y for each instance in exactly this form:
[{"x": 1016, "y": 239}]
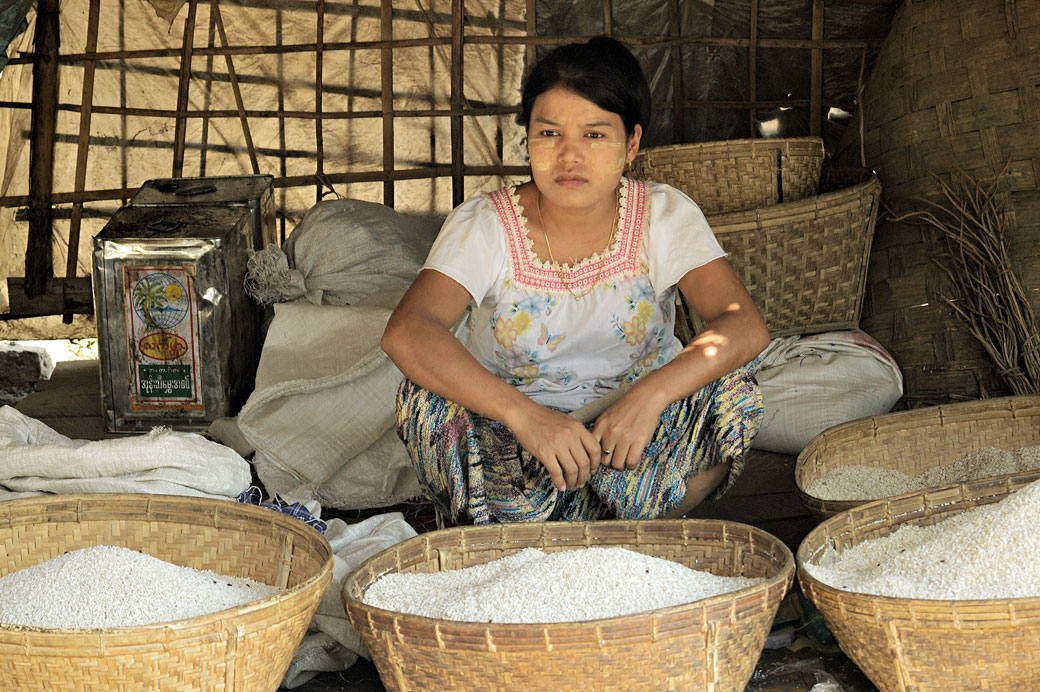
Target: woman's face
[{"x": 578, "y": 151}]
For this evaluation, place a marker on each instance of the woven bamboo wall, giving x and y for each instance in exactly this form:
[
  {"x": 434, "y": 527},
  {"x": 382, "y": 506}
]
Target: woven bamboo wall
[{"x": 955, "y": 85}]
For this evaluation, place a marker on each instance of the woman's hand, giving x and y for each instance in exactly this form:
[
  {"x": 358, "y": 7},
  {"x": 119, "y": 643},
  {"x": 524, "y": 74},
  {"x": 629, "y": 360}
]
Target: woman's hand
[
  {"x": 567, "y": 450},
  {"x": 625, "y": 429}
]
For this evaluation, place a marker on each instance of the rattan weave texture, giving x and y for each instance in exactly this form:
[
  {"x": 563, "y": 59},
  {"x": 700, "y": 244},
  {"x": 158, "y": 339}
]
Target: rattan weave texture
[
  {"x": 915, "y": 645},
  {"x": 915, "y": 440},
  {"x": 233, "y": 650},
  {"x": 736, "y": 174},
  {"x": 711, "y": 644},
  {"x": 805, "y": 262}
]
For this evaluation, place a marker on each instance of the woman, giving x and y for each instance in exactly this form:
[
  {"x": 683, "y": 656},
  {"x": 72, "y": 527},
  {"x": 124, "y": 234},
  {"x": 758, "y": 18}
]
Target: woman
[{"x": 573, "y": 275}]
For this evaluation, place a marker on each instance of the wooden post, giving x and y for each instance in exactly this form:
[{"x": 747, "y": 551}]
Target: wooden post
[
  {"x": 83, "y": 148},
  {"x": 386, "y": 82},
  {"x": 816, "y": 70},
  {"x": 678, "y": 92},
  {"x": 530, "y": 50},
  {"x": 239, "y": 104},
  {"x": 39, "y": 255},
  {"x": 319, "y": 80},
  {"x": 187, "y": 46},
  {"x": 458, "y": 183},
  {"x": 753, "y": 70}
]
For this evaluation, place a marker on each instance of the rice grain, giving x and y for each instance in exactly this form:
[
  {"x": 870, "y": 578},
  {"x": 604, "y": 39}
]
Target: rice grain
[
  {"x": 535, "y": 586},
  {"x": 992, "y": 551},
  {"x": 107, "y": 586},
  {"x": 858, "y": 482}
]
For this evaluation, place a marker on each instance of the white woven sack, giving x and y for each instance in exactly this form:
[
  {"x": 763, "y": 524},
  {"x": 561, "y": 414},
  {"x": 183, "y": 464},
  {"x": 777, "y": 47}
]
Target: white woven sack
[
  {"x": 341, "y": 251},
  {"x": 321, "y": 417},
  {"x": 812, "y": 383}
]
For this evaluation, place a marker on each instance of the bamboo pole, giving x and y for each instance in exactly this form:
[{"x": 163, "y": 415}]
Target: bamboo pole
[
  {"x": 187, "y": 44},
  {"x": 319, "y": 121},
  {"x": 386, "y": 79},
  {"x": 235, "y": 88},
  {"x": 531, "y": 21},
  {"x": 457, "y": 180},
  {"x": 82, "y": 149},
  {"x": 437, "y": 171},
  {"x": 211, "y": 40},
  {"x": 282, "y": 165},
  {"x": 351, "y": 46},
  {"x": 39, "y": 253}
]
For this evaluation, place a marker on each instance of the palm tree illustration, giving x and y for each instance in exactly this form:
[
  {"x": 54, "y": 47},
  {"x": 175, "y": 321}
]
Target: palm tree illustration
[{"x": 149, "y": 296}]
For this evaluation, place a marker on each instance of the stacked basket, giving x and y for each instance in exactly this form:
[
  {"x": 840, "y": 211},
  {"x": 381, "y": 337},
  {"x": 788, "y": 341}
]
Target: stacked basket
[
  {"x": 799, "y": 245},
  {"x": 917, "y": 645}
]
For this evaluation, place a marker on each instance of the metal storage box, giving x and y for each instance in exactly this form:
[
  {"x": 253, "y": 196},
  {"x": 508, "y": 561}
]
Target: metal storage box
[
  {"x": 178, "y": 336},
  {"x": 252, "y": 191}
]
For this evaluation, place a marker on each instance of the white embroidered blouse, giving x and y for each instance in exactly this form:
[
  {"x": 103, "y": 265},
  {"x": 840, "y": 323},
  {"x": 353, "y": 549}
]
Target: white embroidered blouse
[{"x": 529, "y": 329}]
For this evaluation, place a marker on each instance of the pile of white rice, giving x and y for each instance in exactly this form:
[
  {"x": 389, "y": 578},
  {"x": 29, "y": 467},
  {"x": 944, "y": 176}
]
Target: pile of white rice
[
  {"x": 107, "y": 586},
  {"x": 872, "y": 483},
  {"x": 987, "y": 552},
  {"x": 534, "y": 586}
]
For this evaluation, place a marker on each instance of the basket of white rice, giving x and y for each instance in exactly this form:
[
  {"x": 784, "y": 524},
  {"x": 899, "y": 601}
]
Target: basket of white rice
[
  {"x": 153, "y": 592},
  {"x": 610, "y": 605},
  {"x": 937, "y": 590},
  {"x": 897, "y": 453}
]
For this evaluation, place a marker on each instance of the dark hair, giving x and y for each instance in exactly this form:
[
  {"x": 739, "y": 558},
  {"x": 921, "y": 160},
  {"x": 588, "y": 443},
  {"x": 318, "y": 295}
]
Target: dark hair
[{"x": 601, "y": 70}]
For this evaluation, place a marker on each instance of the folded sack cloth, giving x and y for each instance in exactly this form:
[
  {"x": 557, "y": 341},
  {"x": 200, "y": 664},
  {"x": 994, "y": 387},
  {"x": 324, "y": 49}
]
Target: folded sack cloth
[{"x": 36, "y": 459}]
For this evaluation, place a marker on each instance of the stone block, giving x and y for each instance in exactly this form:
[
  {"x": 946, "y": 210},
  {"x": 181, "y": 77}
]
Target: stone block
[{"x": 21, "y": 367}]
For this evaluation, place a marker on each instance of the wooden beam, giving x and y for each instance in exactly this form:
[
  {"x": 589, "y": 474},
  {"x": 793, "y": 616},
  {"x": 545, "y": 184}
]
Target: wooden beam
[
  {"x": 59, "y": 296},
  {"x": 39, "y": 255}
]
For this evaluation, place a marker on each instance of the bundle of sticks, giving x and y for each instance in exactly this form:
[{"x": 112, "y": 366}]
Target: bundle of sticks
[{"x": 985, "y": 292}]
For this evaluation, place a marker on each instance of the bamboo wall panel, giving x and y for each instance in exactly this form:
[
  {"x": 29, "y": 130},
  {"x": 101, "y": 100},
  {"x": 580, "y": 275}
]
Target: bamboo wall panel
[{"x": 955, "y": 86}]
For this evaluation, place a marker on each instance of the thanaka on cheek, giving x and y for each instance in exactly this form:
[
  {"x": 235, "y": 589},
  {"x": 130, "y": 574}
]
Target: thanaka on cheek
[
  {"x": 608, "y": 157},
  {"x": 541, "y": 152}
]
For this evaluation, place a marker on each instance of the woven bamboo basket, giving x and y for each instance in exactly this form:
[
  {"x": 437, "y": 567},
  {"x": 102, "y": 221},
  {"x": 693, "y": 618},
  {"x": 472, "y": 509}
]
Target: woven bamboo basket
[
  {"x": 736, "y": 174},
  {"x": 914, "y": 441},
  {"x": 917, "y": 645},
  {"x": 805, "y": 262},
  {"x": 238, "y": 649},
  {"x": 712, "y": 644}
]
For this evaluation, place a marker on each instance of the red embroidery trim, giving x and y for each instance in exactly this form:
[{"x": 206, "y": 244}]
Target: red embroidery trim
[{"x": 624, "y": 261}]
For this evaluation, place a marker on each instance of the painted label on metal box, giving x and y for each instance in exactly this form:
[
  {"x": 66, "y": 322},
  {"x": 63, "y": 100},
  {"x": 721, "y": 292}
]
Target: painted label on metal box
[{"x": 162, "y": 326}]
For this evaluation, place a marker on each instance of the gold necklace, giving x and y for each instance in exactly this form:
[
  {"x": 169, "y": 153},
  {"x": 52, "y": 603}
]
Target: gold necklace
[{"x": 602, "y": 256}]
